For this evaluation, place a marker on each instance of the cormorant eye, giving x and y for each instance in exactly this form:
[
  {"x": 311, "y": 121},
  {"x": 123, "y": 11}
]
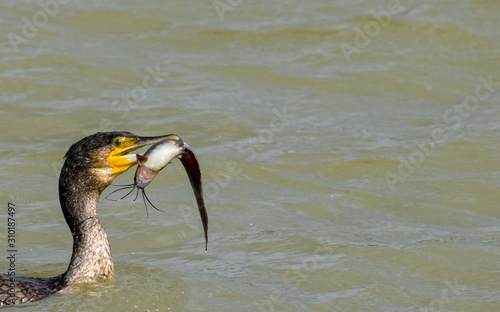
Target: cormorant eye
[{"x": 117, "y": 143}]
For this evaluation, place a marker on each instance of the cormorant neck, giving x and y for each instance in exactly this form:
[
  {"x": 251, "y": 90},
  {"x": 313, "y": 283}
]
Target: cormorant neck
[
  {"x": 79, "y": 195},
  {"x": 91, "y": 258}
]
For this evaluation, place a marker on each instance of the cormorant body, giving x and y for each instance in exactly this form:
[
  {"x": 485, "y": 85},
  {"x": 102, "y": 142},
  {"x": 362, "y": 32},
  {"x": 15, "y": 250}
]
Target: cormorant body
[{"x": 91, "y": 165}]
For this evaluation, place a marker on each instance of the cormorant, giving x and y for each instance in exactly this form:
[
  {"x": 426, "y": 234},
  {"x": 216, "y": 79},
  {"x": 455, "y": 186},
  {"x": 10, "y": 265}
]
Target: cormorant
[{"x": 91, "y": 165}]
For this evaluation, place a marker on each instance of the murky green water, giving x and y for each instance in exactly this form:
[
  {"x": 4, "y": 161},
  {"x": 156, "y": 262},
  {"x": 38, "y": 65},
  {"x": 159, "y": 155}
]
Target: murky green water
[{"x": 350, "y": 150}]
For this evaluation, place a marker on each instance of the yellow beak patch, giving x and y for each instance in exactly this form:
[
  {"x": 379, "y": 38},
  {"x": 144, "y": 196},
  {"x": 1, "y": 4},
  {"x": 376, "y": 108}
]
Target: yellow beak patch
[{"x": 118, "y": 159}]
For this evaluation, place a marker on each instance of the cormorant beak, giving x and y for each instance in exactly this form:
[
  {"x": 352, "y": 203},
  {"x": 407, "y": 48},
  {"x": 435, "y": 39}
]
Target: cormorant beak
[{"x": 120, "y": 160}]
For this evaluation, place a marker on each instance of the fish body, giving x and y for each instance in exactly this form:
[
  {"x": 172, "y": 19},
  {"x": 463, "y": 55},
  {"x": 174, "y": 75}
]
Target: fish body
[{"x": 158, "y": 156}]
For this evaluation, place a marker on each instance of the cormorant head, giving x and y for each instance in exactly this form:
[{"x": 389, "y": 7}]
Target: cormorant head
[{"x": 101, "y": 157}]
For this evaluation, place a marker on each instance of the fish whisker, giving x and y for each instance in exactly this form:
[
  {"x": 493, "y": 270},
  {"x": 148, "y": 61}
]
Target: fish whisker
[
  {"x": 133, "y": 188},
  {"x": 119, "y": 189},
  {"x": 146, "y": 196},
  {"x": 137, "y": 194},
  {"x": 145, "y": 206}
]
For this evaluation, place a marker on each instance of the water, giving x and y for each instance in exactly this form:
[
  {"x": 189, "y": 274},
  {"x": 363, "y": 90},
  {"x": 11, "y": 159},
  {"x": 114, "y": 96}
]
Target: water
[{"x": 339, "y": 172}]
